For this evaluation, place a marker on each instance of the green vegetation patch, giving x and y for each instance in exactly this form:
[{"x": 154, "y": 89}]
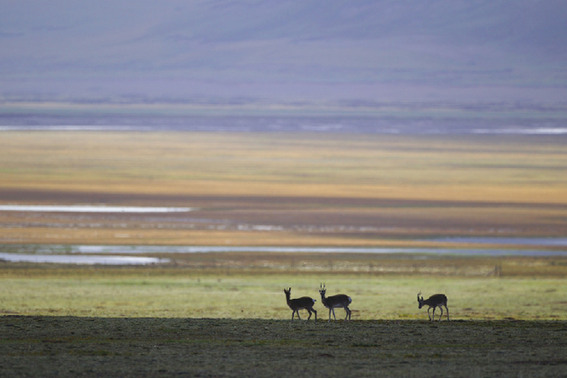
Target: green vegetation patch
[{"x": 184, "y": 293}]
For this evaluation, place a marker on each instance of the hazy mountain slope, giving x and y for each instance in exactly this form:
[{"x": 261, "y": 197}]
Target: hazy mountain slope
[{"x": 283, "y": 51}]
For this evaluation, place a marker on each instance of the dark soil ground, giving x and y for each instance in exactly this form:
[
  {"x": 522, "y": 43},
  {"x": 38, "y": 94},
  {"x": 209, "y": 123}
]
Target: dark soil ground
[{"x": 72, "y": 346}]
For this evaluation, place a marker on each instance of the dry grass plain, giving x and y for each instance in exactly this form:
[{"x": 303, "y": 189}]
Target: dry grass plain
[{"x": 282, "y": 189}]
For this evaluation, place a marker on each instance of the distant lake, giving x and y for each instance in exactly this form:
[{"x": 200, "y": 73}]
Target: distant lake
[
  {"x": 507, "y": 241},
  {"x": 121, "y": 255},
  {"x": 103, "y": 249},
  {"x": 94, "y": 209},
  {"x": 81, "y": 259}
]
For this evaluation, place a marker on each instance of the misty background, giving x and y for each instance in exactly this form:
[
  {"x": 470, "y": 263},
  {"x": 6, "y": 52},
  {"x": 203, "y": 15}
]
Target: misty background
[{"x": 391, "y": 60}]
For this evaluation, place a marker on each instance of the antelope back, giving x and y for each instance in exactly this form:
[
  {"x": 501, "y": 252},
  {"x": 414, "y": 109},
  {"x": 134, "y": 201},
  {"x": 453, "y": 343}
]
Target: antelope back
[
  {"x": 436, "y": 299},
  {"x": 303, "y": 302},
  {"x": 338, "y": 300}
]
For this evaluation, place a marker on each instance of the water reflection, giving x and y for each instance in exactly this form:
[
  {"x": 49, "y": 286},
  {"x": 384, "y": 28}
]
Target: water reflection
[
  {"x": 562, "y": 242},
  {"x": 115, "y": 254},
  {"x": 100, "y": 249},
  {"x": 94, "y": 209},
  {"x": 82, "y": 259}
]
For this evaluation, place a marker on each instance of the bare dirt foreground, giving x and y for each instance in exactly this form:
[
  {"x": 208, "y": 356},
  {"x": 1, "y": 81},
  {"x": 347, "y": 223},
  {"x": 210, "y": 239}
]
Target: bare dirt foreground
[{"x": 71, "y": 346}]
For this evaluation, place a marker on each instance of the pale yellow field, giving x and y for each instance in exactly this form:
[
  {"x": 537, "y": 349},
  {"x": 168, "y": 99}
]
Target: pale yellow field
[
  {"x": 517, "y": 169},
  {"x": 283, "y": 189}
]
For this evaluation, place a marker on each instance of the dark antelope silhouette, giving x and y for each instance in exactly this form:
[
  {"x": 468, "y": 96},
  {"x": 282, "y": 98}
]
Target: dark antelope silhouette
[
  {"x": 335, "y": 301},
  {"x": 300, "y": 303},
  {"x": 434, "y": 301}
]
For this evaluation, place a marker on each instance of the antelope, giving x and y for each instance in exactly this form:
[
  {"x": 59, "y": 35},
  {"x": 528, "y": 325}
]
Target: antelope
[
  {"x": 434, "y": 301},
  {"x": 300, "y": 303},
  {"x": 335, "y": 301}
]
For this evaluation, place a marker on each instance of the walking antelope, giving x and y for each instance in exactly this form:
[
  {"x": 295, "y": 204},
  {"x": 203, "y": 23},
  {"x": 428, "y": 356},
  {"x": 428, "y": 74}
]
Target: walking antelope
[
  {"x": 434, "y": 301},
  {"x": 300, "y": 303},
  {"x": 335, "y": 301}
]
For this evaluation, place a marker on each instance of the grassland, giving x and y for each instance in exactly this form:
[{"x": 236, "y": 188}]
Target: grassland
[
  {"x": 190, "y": 293},
  {"x": 282, "y": 189},
  {"x": 286, "y": 189},
  {"x": 224, "y": 314},
  {"x": 164, "y": 321},
  {"x": 150, "y": 321}
]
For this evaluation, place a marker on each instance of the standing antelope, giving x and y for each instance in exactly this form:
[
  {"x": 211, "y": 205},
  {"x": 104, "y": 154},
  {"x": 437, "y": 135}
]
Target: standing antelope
[
  {"x": 434, "y": 301},
  {"x": 335, "y": 301},
  {"x": 300, "y": 303}
]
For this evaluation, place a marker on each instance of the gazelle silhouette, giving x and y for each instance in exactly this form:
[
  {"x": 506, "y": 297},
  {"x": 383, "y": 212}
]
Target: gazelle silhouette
[
  {"x": 335, "y": 301},
  {"x": 300, "y": 303},
  {"x": 434, "y": 301}
]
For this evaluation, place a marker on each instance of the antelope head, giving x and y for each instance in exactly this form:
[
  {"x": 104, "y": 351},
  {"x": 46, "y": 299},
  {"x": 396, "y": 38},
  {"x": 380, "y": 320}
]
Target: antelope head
[
  {"x": 322, "y": 289},
  {"x": 420, "y": 300}
]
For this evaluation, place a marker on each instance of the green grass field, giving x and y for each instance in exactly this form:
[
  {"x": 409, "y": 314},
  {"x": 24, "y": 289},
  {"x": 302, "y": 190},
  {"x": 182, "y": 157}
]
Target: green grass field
[{"x": 186, "y": 293}]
